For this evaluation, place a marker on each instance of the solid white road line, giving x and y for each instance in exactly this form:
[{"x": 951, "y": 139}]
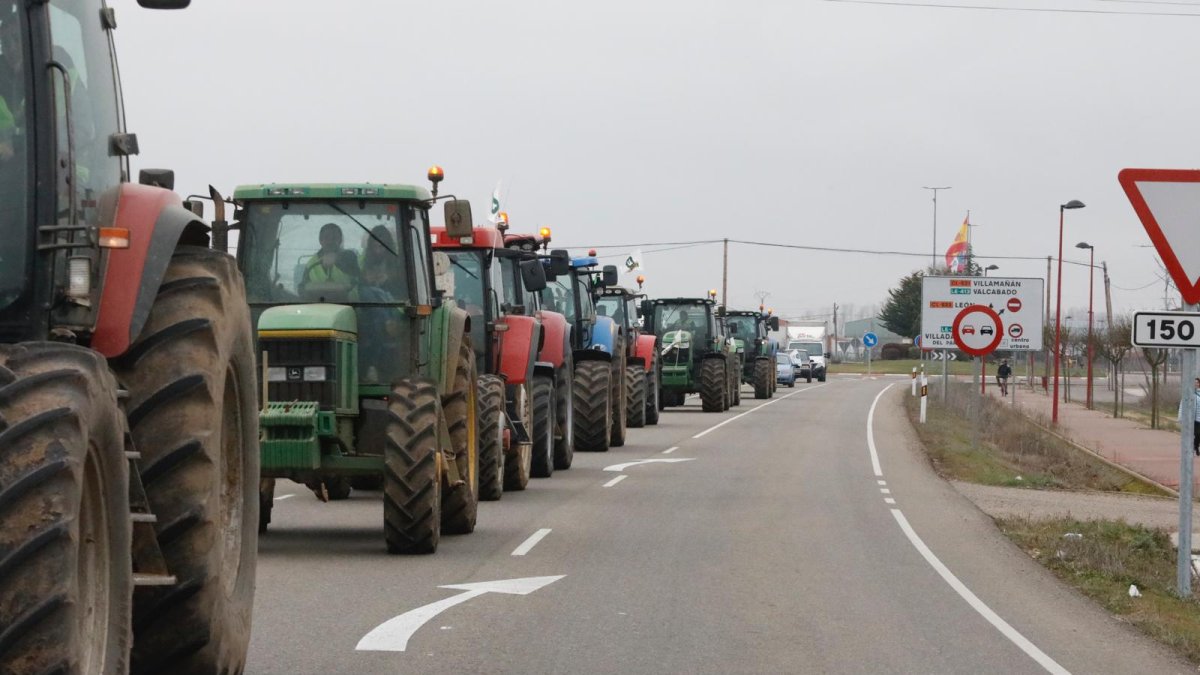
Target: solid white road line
[
  {"x": 532, "y": 541},
  {"x": 757, "y": 407},
  {"x": 871, "y": 432},
  {"x": 616, "y": 480},
  {"x": 978, "y": 605},
  {"x": 670, "y": 450},
  {"x": 283, "y": 497}
]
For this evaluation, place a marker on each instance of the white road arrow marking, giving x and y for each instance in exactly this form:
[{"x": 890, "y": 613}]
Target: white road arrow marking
[
  {"x": 392, "y": 635},
  {"x": 621, "y": 467}
]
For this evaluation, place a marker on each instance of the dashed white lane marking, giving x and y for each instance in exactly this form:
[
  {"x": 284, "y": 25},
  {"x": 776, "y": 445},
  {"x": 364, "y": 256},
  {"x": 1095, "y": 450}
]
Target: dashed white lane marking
[
  {"x": 889, "y": 500},
  {"x": 527, "y": 545},
  {"x": 881, "y": 482},
  {"x": 871, "y": 433},
  {"x": 670, "y": 450},
  {"x": 959, "y": 587},
  {"x": 885, "y": 491},
  {"x": 616, "y": 480},
  {"x": 283, "y": 497},
  {"x": 757, "y": 407},
  {"x": 978, "y": 605}
]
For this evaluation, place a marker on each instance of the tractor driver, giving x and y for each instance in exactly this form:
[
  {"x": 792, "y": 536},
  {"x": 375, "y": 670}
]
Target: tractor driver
[
  {"x": 331, "y": 264},
  {"x": 684, "y": 322}
]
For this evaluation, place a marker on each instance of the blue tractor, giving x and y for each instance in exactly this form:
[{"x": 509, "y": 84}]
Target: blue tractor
[{"x": 597, "y": 348}]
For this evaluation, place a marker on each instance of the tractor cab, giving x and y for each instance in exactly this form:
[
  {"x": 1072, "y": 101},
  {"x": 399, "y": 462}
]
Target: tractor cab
[
  {"x": 683, "y": 326},
  {"x": 751, "y": 341}
]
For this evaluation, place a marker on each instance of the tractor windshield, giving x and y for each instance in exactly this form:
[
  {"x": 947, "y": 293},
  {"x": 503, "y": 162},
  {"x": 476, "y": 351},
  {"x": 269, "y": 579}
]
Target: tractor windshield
[
  {"x": 469, "y": 290},
  {"x": 690, "y": 318},
  {"x": 612, "y": 305},
  {"x": 746, "y": 326},
  {"x": 15, "y": 191},
  {"x": 556, "y": 297},
  {"x": 344, "y": 252}
]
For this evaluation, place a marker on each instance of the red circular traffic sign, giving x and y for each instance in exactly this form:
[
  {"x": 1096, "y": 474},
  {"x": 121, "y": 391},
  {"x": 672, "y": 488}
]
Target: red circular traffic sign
[
  {"x": 1016, "y": 330},
  {"x": 1014, "y": 304},
  {"x": 978, "y": 330}
]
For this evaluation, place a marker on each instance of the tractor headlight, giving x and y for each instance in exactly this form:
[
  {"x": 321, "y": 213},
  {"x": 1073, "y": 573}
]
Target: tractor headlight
[
  {"x": 315, "y": 373},
  {"x": 276, "y": 374}
]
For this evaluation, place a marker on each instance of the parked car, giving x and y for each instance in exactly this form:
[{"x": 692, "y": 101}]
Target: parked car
[
  {"x": 802, "y": 364},
  {"x": 785, "y": 372}
]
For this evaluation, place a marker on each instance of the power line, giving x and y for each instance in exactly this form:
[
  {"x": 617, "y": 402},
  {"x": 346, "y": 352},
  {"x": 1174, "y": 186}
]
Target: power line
[{"x": 997, "y": 8}]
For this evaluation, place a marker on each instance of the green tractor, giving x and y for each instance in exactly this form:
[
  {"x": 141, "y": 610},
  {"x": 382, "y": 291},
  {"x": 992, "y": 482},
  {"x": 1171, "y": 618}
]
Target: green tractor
[
  {"x": 695, "y": 353},
  {"x": 369, "y": 373},
  {"x": 749, "y": 330}
]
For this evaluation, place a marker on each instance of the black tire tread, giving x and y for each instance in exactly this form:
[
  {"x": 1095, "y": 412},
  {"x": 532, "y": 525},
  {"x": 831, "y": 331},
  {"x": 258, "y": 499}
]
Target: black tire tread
[
  {"x": 635, "y": 396},
  {"x": 491, "y": 437},
  {"x": 713, "y": 385},
  {"x": 593, "y": 409},
  {"x": 543, "y": 427},
  {"x": 411, "y": 485},
  {"x": 460, "y": 503}
]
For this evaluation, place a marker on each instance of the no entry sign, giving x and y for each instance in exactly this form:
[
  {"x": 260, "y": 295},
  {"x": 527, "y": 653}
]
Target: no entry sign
[{"x": 1014, "y": 323}]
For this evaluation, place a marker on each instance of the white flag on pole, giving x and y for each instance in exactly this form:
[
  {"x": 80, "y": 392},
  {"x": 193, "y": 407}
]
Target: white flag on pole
[
  {"x": 633, "y": 262},
  {"x": 495, "y": 214}
]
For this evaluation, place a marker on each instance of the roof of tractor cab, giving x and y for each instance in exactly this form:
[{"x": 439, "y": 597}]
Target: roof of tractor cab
[
  {"x": 683, "y": 301},
  {"x": 481, "y": 237},
  {"x": 524, "y": 242},
  {"x": 743, "y": 312},
  {"x": 619, "y": 290},
  {"x": 275, "y": 191}
]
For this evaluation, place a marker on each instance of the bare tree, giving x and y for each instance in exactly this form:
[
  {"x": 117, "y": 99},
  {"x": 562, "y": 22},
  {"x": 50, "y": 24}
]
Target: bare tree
[
  {"x": 1113, "y": 345},
  {"x": 1156, "y": 358}
]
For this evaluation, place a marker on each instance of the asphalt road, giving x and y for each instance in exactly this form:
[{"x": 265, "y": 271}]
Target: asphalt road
[{"x": 771, "y": 549}]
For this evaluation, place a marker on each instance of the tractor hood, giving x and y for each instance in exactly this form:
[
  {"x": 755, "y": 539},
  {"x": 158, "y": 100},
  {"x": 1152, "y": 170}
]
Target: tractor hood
[{"x": 317, "y": 317}]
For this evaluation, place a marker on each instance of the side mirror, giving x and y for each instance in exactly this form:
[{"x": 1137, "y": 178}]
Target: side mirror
[
  {"x": 457, "y": 215},
  {"x": 721, "y": 310},
  {"x": 645, "y": 308},
  {"x": 163, "y": 178},
  {"x": 533, "y": 275},
  {"x": 733, "y": 329},
  {"x": 560, "y": 262},
  {"x": 608, "y": 275},
  {"x": 773, "y": 323},
  {"x": 164, "y": 4},
  {"x": 828, "y": 355}
]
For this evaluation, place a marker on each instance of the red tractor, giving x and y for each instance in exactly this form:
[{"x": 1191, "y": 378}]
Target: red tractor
[
  {"x": 517, "y": 402},
  {"x": 128, "y": 412}
]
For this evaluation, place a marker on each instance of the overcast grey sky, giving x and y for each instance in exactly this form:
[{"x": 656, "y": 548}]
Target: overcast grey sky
[{"x": 803, "y": 122}]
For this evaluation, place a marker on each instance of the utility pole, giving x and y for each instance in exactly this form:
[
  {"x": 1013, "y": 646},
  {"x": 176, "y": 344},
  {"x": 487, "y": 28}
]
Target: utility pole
[
  {"x": 833, "y": 347},
  {"x": 1107, "y": 293},
  {"x": 933, "y": 259},
  {"x": 1046, "y": 378},
  {"x": 725, "y": 278}
]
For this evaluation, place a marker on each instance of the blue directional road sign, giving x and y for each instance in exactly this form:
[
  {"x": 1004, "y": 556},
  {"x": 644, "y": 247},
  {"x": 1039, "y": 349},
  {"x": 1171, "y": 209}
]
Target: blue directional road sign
[{"x": 870, "y": 339}]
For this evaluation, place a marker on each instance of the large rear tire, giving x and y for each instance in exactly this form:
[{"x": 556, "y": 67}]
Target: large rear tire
[
  {"x": 65, "y": 570},
  {"x": 543, "y": 427},
  {"x": 635, "y": 396},
  {"x": 460, "y": 502},
  {"x": 735, "y": 382},
  {"x": 412, "y": 488},
  {"x": 593, "y": 405},
  {"x": 763, "y": 378},
  {"x": 714, "y": 385},
  {"x": 564, "y": 416},
  {"x": 653, "y": 403},
  {"x": 491, "y": 437},
  {"x": 193, "y": 416}
]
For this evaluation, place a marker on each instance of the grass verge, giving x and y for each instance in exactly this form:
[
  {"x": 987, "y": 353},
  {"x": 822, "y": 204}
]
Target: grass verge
[
  {"x": 1104, "y": 561},
  {"x": 980, "y": 440}
]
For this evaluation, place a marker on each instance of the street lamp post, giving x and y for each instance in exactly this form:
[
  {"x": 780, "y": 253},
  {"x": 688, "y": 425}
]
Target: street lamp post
[
  {"x": 990, "y": 268},
  {"x": 1073, "y": 204},
  {"x": 933, "y": 259},
  {"x": 1091, "y": 277}
]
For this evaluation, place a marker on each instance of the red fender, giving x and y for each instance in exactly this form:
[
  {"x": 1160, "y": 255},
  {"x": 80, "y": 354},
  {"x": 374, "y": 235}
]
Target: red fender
[
  {"x": 554, "y": 346},
  {"x": 156, "y": 221},
  {"x": 645, "y": 348},
  {"x": 516, "y": 347}
]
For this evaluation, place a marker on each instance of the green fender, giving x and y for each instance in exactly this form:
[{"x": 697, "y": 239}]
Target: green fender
[{"x": 449, "y": 325}]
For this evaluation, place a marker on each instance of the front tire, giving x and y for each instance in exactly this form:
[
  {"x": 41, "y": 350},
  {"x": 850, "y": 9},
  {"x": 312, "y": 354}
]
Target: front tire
[
  {"x": 593, "y": 406},
  {"x": 193, "y": 416},
  {"x": 653, "y": 393},
  {"x": 543, "y": 427},
  {"x": 564, "y": 416},
  {"x": 635, "y": 396},
  {"x": 762, "y": 378},
  {"x": 412, "y": 494},
  {"x": 491, "y": 437},
  {"x": 620, "y": 421},
  {"x": 714, "y": 385},
  {"x": 66, "y": 579}
]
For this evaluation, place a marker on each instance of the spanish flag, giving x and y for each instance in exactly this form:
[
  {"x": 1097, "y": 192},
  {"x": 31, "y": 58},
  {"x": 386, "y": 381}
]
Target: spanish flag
[{"x": 956, "y": 255}]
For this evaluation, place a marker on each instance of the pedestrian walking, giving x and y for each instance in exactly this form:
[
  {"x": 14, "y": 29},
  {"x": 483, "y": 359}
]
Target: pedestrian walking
[
  {"x": 1196, "y": 421},
  {"x": 1002, "y": 374}
]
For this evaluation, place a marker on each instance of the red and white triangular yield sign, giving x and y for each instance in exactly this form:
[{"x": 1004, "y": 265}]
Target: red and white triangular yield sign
[{"x": 1168, "y": 203}]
